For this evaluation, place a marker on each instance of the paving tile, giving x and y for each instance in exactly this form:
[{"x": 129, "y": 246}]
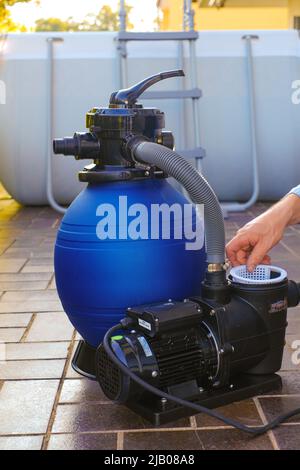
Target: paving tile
[
  {"x": 23, "y": 285},
  {"x": 31, "y": 253},
  {"x": 38, "y": 269},
  {"x": 51, "y": 238},
  {"x": 30, "y": 306},
  {"x": 50, "y": 326},
  {"x": 288, "y": 437},
  {"x": 291, "y": 356},
  {"x": 14, "y": 319},
  {"x": 21, "y": 442},
  {"x": 11, "y": 335},
  {"x": 291, "y": 338},
  {"x": 296, "y": 227},
  {"x": 244, "y": 411},
  {"x": 32, "y": 369},
  {"x": 231, "y": 439},
  {"x": 45, "y": 261},
  {"x": 291, "y": 240},
  {"x": 52, "y": 284},
  {"x": 7, "y": 220},
  {"x": 25, "y": 277},
  {"x": 91, "y": 441},
  {"x": 50, "y": 213},
  {"x": 11, "y": 265},
  {"x": 42, "y": 223},
  {"x": 229, "y": 236},
  {"x": 293, "y": 326},
  {"x": 71, "y": 373},
  {"x": 163, "y": 440},
  {"x": 100, "y": 417},
  {"x": 292, "y": 268},
  {"x": 27, "y": 242},
  {"x": 9, "y": 233},
  {"x": 216, "y": 439},
  {"x": 48, "y": 244},
  {"x": 259, "y": 208},
  {"x": 241, "y": 218},
  {"x": 29, "y": 211},
  {"x": 287, "y": 364},
  {"x": 294, "y": 313},
  {"x": 280, "y": 253},
  {"x": 4, "y": 244},
  {"x": 290, "y": 383},
  {"x": 274, "y": 406},
  {"x": 25, "y": 406},
  {"x": 51, "y": 233},
  {"x": 88, "y": 417},
  {"x": 230, "y": 225},
  {"x": 21, "y": 351},
  {"x": 81, "y": 391},
  {"x": 32, "y": 295}
]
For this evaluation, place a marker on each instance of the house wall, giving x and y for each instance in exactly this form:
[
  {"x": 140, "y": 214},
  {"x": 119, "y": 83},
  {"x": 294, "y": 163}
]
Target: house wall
[{"x": 237, "y": 14}]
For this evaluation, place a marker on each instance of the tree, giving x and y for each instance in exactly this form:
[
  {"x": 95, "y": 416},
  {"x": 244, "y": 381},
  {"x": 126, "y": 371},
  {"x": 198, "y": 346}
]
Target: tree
[
  {"x": 105, "y": 20},
  {"x": 6, "y": 23},
  {"x": 56, "y": 24}
]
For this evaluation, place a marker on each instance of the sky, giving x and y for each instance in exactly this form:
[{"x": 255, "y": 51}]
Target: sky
[{"x": 143, "y": 14}]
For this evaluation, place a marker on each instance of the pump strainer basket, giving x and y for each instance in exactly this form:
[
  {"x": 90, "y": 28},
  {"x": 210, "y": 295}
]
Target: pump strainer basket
[{"x": 262, "y": 274}]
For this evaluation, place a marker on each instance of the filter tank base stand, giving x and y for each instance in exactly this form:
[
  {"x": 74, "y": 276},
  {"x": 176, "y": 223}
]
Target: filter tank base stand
[
  {"x": 83, "y": 361},
  {"x": 159, "y": 412}
]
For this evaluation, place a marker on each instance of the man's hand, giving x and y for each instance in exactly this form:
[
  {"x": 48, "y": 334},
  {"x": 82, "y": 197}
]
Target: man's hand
[{"x": 253, "y": 241}]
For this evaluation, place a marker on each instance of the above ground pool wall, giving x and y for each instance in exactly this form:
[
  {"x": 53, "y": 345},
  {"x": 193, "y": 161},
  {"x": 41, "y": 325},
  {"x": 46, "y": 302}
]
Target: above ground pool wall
[{"x": 85, "y": 74}]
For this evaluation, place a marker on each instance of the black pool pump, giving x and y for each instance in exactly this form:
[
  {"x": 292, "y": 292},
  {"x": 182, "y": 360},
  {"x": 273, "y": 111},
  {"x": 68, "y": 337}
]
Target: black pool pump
[{"x": 209, "y": 351}]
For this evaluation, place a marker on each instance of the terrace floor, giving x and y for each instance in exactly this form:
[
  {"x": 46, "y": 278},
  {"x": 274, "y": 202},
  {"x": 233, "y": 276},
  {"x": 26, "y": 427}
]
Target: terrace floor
[{"x": 45, "y": 405}]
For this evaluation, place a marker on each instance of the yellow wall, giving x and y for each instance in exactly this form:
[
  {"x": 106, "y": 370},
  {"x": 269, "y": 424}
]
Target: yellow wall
[
  {"x": 294, "y": 10},
  {"x": 237, "y": 14}
]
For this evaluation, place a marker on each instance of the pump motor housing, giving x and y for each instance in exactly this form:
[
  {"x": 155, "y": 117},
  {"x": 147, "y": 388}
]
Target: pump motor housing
[{"x": 200, "y": 350}]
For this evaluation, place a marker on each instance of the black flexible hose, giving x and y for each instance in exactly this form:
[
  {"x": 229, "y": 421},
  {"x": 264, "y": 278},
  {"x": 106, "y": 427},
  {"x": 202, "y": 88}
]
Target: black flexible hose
[
  {"x": 198, "y": 189},
  {"x": 199, "y": 408}
]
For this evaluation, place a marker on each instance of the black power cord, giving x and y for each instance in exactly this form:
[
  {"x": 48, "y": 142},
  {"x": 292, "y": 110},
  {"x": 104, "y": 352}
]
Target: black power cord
[{"x": 200, "y": 409}]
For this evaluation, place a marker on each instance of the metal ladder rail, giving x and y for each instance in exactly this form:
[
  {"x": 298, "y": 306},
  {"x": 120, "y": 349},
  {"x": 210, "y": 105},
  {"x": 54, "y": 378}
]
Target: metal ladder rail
[
  {"x": 50, "y": 111},
  {"x": 243, "y": 206},
  {"x": 123, "y": 37},
  {"x": 189, "y": 23}
]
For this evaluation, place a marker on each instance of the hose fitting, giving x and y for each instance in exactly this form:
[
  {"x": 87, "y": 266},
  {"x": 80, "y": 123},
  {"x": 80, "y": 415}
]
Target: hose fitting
[{"x": 82, "y": 145}]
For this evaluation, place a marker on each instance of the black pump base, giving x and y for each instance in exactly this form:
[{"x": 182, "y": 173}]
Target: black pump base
[
  {"x": 83, "y": 361},
  {"x": 244, "y": 386}
]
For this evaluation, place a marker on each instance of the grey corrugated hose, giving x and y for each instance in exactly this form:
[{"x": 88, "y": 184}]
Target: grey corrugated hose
[{"x": 198, "y": 189}]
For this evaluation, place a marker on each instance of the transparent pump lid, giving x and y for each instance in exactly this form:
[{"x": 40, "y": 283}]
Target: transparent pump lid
[{"x": 263, "y": 274}]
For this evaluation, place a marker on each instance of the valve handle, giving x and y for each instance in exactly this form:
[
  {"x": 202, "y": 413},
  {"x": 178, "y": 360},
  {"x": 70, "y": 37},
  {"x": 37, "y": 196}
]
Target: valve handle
[{"x": 129, "y": 96}]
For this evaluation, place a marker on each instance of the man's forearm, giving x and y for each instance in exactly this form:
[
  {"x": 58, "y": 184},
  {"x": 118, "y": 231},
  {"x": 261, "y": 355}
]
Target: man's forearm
[{"x": 284, "y": 213}]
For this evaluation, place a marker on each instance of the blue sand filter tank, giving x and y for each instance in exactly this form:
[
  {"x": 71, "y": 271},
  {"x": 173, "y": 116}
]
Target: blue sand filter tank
[{"x": 127, "y": 239}]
